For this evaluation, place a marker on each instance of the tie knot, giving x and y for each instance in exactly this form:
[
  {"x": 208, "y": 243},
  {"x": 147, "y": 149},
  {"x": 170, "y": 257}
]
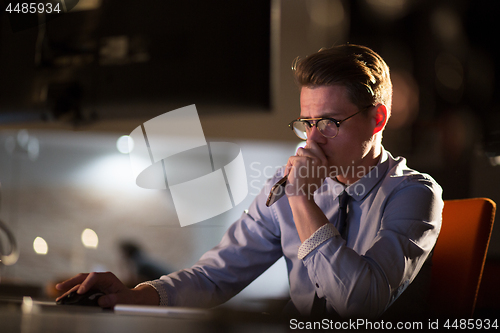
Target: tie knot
[{"x": 343, "y": 199}]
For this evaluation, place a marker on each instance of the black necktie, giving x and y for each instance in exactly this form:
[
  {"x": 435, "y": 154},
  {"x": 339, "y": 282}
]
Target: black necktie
[
  {"x": 342, "y": 225},
  {"x": 319, "y": 304}
]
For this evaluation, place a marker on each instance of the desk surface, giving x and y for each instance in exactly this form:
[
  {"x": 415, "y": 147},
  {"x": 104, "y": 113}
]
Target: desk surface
[{"x": 48, "y": 317}]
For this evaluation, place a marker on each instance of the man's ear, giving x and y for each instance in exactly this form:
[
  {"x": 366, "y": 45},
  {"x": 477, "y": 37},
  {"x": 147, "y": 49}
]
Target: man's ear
[{"x": 380, "y": 118}]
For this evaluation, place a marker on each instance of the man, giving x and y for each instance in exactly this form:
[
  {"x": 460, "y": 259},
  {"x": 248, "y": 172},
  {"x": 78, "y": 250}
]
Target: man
[{"x": 356, "y": 226}]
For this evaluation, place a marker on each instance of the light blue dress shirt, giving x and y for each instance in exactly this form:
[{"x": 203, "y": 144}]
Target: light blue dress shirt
[{"x": 394, "y": 217}]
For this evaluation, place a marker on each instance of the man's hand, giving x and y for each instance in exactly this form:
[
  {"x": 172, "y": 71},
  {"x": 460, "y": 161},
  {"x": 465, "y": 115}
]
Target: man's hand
[
  {"x": 306, "y": 171},
  {"x": 115, "y": 291}
]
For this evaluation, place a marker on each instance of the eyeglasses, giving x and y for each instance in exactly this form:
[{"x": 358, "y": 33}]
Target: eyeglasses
[{"x": 328, "y": 127}]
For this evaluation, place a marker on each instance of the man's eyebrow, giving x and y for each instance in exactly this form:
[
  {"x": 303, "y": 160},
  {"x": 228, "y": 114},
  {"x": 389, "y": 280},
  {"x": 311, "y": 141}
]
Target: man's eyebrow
[{"x": 333, "y": 115}]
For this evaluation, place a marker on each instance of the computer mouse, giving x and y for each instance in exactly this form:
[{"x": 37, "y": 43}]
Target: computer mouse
[{"x": 90, "y": 298}]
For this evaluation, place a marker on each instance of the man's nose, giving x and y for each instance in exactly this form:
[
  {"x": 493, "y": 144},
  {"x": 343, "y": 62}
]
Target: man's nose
[{"x": 315, "y": 135}]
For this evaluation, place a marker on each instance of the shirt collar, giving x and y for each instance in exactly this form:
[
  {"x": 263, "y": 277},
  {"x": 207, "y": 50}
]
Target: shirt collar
[{"x": 360, "y": 189}]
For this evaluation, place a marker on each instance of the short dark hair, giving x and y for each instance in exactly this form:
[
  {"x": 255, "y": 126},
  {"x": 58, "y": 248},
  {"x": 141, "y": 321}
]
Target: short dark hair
[{"x": 362, "y": 71}]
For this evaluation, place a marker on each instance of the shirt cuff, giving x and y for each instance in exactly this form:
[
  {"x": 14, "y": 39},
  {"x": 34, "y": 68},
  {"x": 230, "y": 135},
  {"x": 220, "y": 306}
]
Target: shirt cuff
[
  {"x": 319, "y": 237},
  {"x": 159, "y": 289}
]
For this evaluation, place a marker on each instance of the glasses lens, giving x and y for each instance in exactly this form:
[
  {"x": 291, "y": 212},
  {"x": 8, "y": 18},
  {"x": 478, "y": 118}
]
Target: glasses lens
[
  {"x": 300, "y": 128},
  {"x": 328, "y": 128}
]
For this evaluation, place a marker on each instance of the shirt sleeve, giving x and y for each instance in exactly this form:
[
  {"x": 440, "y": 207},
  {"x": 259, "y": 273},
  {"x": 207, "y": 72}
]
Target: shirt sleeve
[
  {"x": 249, "y": 247},
  {"x": 316, "y": 239},
  {"x": 364, "y": 285},
  {"x": 161, "y": 292}
]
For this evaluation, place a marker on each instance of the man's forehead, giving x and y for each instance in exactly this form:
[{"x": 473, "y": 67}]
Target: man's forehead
[
  {"x": 325, "y": 101},
  {"x": 325, "y": 114}
]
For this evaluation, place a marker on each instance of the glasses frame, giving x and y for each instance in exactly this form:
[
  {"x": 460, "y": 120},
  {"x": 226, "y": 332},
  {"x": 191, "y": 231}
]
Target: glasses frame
[{"x": 317, "y": 120}]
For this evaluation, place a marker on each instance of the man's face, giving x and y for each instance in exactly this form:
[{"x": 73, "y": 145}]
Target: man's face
[{"x": 352, "y": 146}]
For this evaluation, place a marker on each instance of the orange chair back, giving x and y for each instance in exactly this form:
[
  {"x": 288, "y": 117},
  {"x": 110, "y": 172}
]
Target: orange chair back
[{"x": 460, "y": 254}]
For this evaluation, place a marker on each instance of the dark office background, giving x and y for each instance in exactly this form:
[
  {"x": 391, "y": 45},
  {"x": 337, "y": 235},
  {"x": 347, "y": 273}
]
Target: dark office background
[{"x": 113, "y": 66}]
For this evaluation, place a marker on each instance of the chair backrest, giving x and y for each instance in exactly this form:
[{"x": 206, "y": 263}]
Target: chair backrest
[{"x": 459, "y": 256}]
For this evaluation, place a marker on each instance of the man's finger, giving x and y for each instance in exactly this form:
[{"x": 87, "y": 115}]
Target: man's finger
[
  {"x": 68, "y": 292},
  {"x": 105, "y": 282},
  {"x": 70, "y": 283},
  {"x": 313, "y": 146},
  {"x": 88, "y": 283},
  {"x": 314, "y": 156}
]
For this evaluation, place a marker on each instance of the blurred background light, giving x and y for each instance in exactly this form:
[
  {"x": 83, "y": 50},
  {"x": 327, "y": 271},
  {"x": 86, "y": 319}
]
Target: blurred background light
[
  {"x": 390, "y": 9},
  {"x": 447, "y": 24},
  {"x": 495, "y": 160},
  {"x": 40, "y": 246},
  {"x": 87, "y": 5},
  {"x": 326, "y": 13},
  {"x": 301, "y": 144},
  {"x": 106, "y": 171},
  {"x": 125, "y": 144},
  {"x": 23, "y": 138},
  {"x": 33, "y": 148},
  {"x": 23, "y": 144},
  {"x": 90, "y": 239}
]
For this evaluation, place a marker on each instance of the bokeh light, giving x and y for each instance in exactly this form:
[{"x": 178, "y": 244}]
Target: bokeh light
[{"x": 90, "y": 239}]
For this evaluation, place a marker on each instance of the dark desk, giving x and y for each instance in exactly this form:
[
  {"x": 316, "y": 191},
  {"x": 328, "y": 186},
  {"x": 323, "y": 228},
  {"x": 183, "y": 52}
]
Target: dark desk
[{"x": 43, "y": 317}]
